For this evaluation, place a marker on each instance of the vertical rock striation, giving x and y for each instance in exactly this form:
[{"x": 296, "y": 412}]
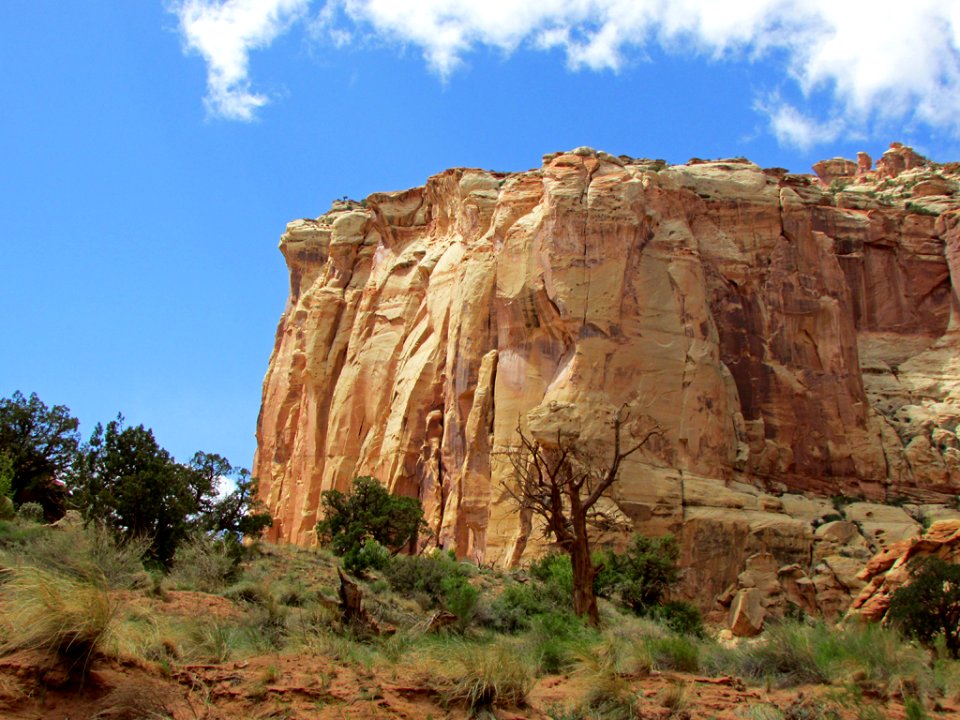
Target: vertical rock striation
[{"x": 791, "y": 335}]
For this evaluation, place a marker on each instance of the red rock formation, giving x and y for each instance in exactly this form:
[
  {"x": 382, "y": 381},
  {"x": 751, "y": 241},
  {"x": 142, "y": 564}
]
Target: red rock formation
[
  {"x": 837, "y": 168},
  {"x": 889, "y": 569},
  {"x": 898, "y": 159},
  {"x": 785, "y": 336}
]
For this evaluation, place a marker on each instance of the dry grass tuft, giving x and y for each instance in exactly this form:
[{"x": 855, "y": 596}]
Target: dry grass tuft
[
  {"x": 11, "y": 692},
  {"x": 41, "y": 610},
  {"x": 675, "y": 697},
  {"x": 137, "y": 701},
  {"x": 484, "y": 676}
]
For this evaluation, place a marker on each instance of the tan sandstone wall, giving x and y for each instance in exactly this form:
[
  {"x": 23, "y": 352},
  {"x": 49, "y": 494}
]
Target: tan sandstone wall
[{"x": 793, "y": 339}]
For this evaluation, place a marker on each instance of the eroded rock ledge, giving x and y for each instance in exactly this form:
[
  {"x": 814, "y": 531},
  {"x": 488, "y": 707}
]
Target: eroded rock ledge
[{"x": 794, "y": 336}]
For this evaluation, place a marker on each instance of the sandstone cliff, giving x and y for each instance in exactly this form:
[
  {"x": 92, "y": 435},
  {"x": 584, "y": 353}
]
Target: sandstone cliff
[{"x": 794, "y": 336}]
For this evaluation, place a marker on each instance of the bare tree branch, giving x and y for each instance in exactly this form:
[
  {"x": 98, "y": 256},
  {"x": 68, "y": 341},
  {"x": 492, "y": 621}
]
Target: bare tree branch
[{"x": 561, "y": 485}]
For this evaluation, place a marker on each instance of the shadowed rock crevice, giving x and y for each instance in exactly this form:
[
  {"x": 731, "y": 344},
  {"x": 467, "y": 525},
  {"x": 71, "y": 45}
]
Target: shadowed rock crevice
[{"x": 791, "y": 334}]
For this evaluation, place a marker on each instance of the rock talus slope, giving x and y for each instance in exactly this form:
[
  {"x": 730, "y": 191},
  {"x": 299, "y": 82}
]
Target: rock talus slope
[{"x": 795, "y": 337}]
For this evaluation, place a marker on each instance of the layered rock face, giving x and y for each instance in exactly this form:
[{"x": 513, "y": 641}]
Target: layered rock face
[{"x": 793, "y": 337}]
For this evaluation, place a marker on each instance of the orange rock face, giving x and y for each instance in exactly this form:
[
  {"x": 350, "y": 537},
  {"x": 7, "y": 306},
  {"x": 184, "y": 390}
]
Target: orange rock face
[
  {"x": 890, "y": 569},
  {"x": 785, "y": 336}
]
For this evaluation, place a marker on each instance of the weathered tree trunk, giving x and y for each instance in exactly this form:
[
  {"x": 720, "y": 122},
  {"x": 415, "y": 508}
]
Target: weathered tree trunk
[
  {"x": 351, "y": 605},
  {"x": 584, "y": 599}
]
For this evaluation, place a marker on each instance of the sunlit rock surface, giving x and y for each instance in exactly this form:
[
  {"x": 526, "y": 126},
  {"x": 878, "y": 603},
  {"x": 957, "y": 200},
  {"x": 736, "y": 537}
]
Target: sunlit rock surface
[{"x": 794, "y": 337}]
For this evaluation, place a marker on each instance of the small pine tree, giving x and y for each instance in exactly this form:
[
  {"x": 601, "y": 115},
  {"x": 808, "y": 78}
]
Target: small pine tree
[{"x": 369, "y": 512}]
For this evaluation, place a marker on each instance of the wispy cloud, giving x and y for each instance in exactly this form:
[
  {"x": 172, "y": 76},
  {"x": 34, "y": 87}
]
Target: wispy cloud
[
  {"x": 792, "y": 127},
  {"x": 224, "y": 33},
  {"x": 876, "y": 61}
]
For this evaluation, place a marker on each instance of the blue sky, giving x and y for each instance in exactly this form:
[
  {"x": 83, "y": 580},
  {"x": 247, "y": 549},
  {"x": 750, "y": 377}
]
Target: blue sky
[{"x": 152, "y": 152}]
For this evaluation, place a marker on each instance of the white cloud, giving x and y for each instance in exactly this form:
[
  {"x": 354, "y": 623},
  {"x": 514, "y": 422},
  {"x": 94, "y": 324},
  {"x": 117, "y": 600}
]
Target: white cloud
[
  {"x": 224, "y": 32},
  {"x": 876, "y": 61},
  {"x": 792, "y": 127}
]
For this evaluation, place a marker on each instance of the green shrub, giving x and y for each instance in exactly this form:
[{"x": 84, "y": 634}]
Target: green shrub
[
  {"x": 460, "y": 598},
  {"x": 674, "y": 652},
  {"x": 292, "y": 594},
  {"x": 917, "y": 209},
  {"x": 213, "y": 642},
  {"x": 878, "y": 654},
  {"x": 249, "y": 591},
  {"x": 791, "y": 653},
  {"x": 7, "y": 511},
  {"x": 786, "y": 654},
  {"x": 371, "y": 555},
  {"x": 554, "y": 573},
  {"x": 513, "y": 610},
  {"x": 681, "y": 617},
  {"x": 557, "y": 640},
  {"x": 266, "y": 623},
  {"x": 30, "y": 512},
  {"x": 411, "y": 574},
  {"x": 548, "y": 592},
  {"x": 606, "y": 667},
  {"x": 369, "y": 512},
  {"x": 929, "y": 605},
  {"x": 839, "y": 502},
  {"x": 640, "y": 576},
  {"x": 15, "y": 535}
]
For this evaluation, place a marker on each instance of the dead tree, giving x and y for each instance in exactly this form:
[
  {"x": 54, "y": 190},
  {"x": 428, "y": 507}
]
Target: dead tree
[{"x": 561, "y": 483}]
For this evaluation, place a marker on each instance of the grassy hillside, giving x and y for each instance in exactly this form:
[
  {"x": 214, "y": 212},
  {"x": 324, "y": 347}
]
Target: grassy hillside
[{"x": 87, "y": 631}]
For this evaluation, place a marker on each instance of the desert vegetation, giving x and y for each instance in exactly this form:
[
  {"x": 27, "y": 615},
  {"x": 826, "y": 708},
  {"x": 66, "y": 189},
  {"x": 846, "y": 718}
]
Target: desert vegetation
[
  {"x": 99, "y": 620},
  {"x": 75, "y": 598}
]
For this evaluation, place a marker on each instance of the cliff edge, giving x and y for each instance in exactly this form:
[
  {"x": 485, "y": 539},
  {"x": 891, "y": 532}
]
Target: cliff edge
[{"x": 795, "y": 337}]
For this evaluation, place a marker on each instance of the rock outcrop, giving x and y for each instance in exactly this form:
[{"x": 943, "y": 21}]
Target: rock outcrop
[
  {"x": 795, "y": 339},
  {"x": 890, "y": 569}
]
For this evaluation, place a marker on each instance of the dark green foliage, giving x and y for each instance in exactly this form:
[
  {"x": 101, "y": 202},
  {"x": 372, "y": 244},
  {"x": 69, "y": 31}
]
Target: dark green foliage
[
  {"x": 930, "y": 604},
  {"x": 7, "y": 509},
  {"x": 557, "y": 637},
  {"x": 554, "y": 574},
  {"x": 425, "y": 574},
  {"x": 239, "y": 514},
  {"x": 681, "y": 617},
  {"x": 124, "y": 480},
  {"x": 521, "y": 606},
  {"x": 369, "y": 512},
  {"x": 30, "y": 512},
  {"x": 39, "y": 444},
  {"x": 917, "y": 209},
  {"x": 841, "y": 501},
  {"x": 6, "y": 476},
  {"x": 513, "y": 609},
  {"x": 373, "y": 555},
  {"x": 642, "y": 575},
  {"x": 460, "y": 598}
]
